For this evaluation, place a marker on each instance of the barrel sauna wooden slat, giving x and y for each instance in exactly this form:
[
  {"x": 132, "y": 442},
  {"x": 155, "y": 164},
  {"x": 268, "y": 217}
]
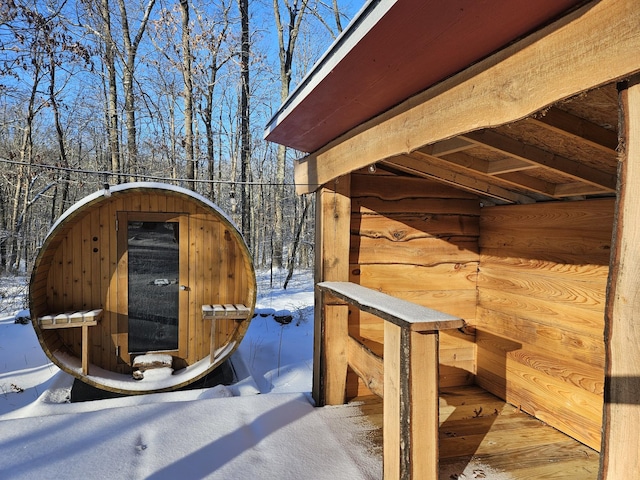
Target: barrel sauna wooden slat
[{"x": 85, "y": 264}]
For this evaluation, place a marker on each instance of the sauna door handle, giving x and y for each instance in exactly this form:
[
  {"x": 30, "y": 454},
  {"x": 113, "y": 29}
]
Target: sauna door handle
[{"x": 184, "y": 287}]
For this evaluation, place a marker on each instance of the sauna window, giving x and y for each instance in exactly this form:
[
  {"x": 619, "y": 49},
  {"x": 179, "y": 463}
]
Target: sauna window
[
  {"x": 153, "y": 250},
  {"x": 154, "y": 271}
]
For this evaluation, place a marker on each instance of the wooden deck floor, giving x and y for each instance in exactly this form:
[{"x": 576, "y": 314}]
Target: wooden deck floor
[{"x": 482, "y": 436}]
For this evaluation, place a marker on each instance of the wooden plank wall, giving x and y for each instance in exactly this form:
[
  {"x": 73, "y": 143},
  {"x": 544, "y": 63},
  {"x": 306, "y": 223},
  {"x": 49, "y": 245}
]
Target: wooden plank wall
[
  {"x": 417, "y": 240},
  {"x": 542, "y": 288},
  {"x": 82, "y": 274}
]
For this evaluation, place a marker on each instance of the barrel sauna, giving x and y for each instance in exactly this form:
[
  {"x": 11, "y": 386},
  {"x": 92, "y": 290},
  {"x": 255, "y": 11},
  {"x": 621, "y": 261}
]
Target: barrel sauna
[{"x": 141, "y": 288}]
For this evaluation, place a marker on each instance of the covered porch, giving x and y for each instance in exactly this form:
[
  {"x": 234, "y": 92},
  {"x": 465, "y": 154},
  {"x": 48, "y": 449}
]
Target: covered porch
[{"x": 483, "y": 164}]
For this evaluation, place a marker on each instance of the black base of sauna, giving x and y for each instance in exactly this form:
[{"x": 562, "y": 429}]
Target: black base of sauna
[{"x": 222, "y": 375}]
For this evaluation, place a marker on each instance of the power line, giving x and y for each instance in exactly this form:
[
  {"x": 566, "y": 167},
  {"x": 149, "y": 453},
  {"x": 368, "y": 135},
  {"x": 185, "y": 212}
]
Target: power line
[{"x": 107, "y": 174}]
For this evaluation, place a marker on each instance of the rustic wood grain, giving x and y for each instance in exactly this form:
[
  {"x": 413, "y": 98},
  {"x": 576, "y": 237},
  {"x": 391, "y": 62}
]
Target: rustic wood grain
[
  {"x": 333, "y": 217},
  {"x": 621, "y": 455}
]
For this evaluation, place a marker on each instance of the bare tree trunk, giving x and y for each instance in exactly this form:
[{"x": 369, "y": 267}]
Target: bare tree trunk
[
  {"x": 296, "y": 241},
  {"x": 4, "y": 228},
  {"x": 219, "y": 184},
  {"x": 21, "y": 195},
  {"x": 188, "y": 91},
  {"x": 207, "y": 111},
  {"x": 112, "y": 95},
  {"x": 245, "y": 148},
  {"x": 130, "y": 52},
  {"x": 295, "y": 13},
  {"x": 64, "y": 188},
  {"x": 336, "y": 15}
]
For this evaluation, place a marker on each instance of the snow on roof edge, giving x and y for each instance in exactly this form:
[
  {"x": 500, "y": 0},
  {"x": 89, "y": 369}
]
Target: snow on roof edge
[{"x": 95, "y": 196}]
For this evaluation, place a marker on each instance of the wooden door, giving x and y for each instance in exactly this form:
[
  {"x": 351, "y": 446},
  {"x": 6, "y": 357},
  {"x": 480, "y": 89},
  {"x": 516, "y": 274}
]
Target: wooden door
[{"x": 153, "y": 291}]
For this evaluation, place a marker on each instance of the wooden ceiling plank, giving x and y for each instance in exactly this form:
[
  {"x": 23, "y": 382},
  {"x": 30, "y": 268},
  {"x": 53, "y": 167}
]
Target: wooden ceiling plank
[
  {"x": 529, "y": 183},
  {"x": 572, "y": 189},
  {"x": 476, "y": 164},
  {"x": 488, "y": 169},
  {"x": 569, "y": 125},
  {"x": 542, "y": 158},
  {"x": 508, "y": 165},
  {"x": 421, "y": 164},
  {"x": 447, "y": 147}
]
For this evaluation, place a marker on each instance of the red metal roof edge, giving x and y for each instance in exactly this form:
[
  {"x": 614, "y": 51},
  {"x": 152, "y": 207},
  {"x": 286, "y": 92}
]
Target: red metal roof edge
[{"x": 376, "y": 63}]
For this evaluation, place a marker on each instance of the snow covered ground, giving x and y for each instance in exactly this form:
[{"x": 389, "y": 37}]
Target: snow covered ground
[{"x": 263, "y": 427}]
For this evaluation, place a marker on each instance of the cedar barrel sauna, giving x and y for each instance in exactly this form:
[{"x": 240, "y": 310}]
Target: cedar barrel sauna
[{"x": 142, "y": 287}]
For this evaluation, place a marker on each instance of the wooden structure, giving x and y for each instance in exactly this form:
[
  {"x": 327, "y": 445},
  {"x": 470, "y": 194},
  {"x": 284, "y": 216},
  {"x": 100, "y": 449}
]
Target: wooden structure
[
  {"x": 483, "y": 164},
  {"x": 142, "y": 268}
]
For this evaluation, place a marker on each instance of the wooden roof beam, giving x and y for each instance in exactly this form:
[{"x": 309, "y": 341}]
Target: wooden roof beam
[
  {"x": 507, "y": 170},
  {"x": 487, "y": 167},
  {"x": 424, "y": 166},
  {"x": 572, "y": 126},
  {"x": 447, "y": 147},
  {"x": 573, "y": 189},
  {"x": 533, "y": 184},
  {"x": 544, "y": 159}
]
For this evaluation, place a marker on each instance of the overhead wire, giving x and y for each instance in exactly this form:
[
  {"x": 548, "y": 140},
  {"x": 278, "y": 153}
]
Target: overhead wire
[{"x": 107, "y": 173}]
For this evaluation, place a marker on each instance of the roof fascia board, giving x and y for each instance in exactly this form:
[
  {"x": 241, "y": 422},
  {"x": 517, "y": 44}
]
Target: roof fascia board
[{"x": 368, "y": 16}]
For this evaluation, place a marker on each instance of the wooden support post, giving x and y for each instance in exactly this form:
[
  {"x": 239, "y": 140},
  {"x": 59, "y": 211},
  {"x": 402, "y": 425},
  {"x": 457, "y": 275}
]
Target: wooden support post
[
  {"x": 410, "y": 379},
  {"x": 422, "y": 388},
  {"x": 336, "y": 332},
  {"x": 85, "y": 349},
  {"x": 214, "y": 340},
  {"x": 410, "y": 408},
  {"x": 392, "y": 436},
  {"x": 620, "y": 455},
  {"x": 333, "y": 223}
]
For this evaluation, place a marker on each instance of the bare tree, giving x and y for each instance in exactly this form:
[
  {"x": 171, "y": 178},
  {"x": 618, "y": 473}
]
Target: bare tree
[
  {"x": 187, "y": 76},
  {"x": 245, "y": 140},
  {"x": 213, "y": 33},
  {"x": 294, "y": 11},
  {"x": 112, "y": 89},
  {"x": 129, "y": 54}
]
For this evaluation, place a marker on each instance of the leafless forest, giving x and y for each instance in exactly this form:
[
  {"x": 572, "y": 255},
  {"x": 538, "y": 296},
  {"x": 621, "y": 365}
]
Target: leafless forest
[{"x": 111, "y": 91}]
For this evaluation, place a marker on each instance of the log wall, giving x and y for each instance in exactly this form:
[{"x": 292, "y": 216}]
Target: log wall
[
  {"x": 540, "y": 322},
  {"x": 417, "y": 240}
]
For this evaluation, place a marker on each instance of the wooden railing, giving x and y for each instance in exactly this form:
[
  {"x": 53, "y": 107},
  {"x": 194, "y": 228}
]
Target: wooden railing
[{"x": 409, "y": 383}]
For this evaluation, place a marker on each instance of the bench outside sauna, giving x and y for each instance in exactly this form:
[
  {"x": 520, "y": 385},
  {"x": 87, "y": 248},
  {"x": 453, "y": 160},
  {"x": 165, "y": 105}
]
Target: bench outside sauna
[
  {"x": 482, "y": 159},
  {"x": 128, "y": 274}
]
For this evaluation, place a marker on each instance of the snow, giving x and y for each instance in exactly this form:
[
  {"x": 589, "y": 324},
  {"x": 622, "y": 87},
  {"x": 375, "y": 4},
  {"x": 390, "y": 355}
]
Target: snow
[
  {"x": 99, "y": 194},
  {"x": 151, "y": 359},
  {"x": 263, "y": 426},
  {"x": 402, "y": 310}
]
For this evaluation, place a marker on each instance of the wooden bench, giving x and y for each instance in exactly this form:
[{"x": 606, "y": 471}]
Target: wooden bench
[
  {"x": 82, "y": 318},
  {"x": 409, "y": 367},
  {"x": 228, "y": 311}
]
